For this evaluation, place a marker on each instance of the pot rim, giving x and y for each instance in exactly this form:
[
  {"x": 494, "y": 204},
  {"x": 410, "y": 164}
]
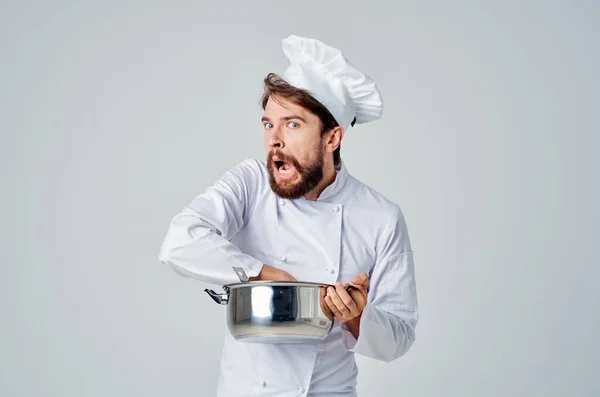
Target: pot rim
[{"x": 278, "y": 283}]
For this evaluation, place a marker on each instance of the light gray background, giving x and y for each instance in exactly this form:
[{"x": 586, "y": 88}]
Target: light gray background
[{"x": 115, "y": 114}]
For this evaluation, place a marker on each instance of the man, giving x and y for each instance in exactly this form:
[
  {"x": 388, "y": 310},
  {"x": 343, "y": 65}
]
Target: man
[{"x": 299, "y": 215}]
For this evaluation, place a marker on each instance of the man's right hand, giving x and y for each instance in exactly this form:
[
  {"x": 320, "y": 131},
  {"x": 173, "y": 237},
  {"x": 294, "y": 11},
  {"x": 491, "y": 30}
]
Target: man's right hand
[{"x": 270, "y": 273}]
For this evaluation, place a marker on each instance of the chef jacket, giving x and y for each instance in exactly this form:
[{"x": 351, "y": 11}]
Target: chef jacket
[{"x": 349, "y": 229}]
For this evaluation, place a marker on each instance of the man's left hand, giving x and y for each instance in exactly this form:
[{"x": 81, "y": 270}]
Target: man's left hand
[{"x": 346, "y": 305}]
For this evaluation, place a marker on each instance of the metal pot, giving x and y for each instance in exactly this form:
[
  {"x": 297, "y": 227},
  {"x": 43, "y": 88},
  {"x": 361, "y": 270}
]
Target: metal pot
[{"x": 274, "y": 311}]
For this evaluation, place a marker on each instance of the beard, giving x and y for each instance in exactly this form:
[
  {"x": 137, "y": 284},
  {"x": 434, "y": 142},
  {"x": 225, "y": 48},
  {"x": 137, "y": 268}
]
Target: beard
[{"x": 308, "y": 177}]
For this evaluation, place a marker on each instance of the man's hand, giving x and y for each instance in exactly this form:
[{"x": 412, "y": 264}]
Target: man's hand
[
  {"x": 270, "y": 273},
  {"x": 346, "y": 305}
]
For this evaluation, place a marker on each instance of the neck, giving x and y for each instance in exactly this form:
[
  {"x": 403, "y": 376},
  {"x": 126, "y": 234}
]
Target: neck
[{"x": 329, "y": 175}]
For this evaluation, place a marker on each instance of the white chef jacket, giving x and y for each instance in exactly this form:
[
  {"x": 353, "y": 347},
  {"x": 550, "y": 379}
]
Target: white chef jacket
[{"x": 349, "y": 229}]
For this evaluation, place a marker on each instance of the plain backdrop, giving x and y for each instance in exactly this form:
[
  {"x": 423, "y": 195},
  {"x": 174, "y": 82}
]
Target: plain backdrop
[{"x": 115, "y": 114}]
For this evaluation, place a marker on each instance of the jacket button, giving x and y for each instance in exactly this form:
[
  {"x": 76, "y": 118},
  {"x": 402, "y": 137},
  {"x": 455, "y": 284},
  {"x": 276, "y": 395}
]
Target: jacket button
[
  {"x": 283, "y": 202},
  {"x": 301, "y": 390},
  {"x": 330, "y": 271},
  {"x": 263, "y": 383},
  {"x": 284, "y": 258},
  {"x": 336, "y": 209}
]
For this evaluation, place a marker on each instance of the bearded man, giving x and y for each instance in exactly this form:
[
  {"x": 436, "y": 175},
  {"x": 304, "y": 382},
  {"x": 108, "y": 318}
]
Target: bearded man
[{"x": 300, "y": 215}]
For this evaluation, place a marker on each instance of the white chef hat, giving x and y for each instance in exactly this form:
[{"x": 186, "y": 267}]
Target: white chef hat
[{"x": 348, "y": 94}]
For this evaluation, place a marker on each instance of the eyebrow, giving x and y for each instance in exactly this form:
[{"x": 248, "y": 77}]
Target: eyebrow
[{"x": 263, "y": 119}]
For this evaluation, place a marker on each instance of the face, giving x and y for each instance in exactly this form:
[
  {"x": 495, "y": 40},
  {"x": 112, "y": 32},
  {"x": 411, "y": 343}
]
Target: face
[{"x": 294, "y": 147}]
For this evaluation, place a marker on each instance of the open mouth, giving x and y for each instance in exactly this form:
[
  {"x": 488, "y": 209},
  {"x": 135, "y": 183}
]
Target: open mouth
[{"x": 284, "y": 169}]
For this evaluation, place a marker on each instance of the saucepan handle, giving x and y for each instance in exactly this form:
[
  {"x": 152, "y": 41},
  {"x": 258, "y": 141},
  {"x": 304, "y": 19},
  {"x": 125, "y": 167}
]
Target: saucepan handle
[
  {"x": 349, "y": 287},
  {"x": 221, "y": 299}
]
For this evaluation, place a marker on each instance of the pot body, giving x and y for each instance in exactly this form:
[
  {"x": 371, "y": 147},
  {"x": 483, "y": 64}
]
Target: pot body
[{"x": 274, "y": 311}]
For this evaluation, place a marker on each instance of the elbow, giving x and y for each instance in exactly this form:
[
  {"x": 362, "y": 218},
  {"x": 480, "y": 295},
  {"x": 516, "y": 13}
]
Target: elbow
[
  {"x": 385, "y": 336},
  {"x": 403, "y": 345},
  {"x": 167, "y": 256},
  {"x": 180, "y": 247},
  {"x": 402, "y": 337}
]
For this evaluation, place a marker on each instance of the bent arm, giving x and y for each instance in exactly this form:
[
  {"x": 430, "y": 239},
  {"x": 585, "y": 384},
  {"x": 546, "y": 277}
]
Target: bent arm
[
  {"x": 197, "y": 243},
  {"x": 388, "y": 321}
]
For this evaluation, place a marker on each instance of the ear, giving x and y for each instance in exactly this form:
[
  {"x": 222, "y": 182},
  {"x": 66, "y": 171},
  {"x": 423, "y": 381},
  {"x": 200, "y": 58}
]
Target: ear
[{"x": 334, "y": 139}]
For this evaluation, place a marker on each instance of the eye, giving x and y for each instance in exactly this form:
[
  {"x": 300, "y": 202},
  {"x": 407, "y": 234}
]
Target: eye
[
  {"x": 294, "y": 125},
  {"x": 268, "y": 126}
]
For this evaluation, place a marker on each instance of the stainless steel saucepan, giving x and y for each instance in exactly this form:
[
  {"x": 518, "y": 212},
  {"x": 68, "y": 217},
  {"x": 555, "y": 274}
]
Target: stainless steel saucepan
[{"x": 273, "y": 311}]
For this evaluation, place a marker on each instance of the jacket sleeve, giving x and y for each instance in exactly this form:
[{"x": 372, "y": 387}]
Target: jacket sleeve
[
  {"x": 197, "y": 243},
  {"x": 388, "y": 321}
]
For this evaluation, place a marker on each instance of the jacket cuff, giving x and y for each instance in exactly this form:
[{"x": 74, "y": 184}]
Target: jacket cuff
[
  {"x": 252, "y": 266},
  {"x": 370, "y": 332}
]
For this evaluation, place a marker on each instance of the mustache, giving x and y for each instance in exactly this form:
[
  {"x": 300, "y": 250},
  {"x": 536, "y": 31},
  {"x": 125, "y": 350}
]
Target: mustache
[{"x": 288, "y": 159}]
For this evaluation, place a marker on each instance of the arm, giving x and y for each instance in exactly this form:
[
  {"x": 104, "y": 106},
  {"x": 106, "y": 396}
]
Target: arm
[
  {"x": 197, "y": 241},
  {"x": 386, "y": 327}
]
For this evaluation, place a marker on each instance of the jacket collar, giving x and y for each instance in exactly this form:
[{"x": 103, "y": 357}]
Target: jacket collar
[{"x": 337, "y": 185}]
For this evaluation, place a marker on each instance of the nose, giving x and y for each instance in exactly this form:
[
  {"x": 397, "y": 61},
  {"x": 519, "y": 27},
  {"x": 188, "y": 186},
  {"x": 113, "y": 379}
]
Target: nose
[{"x": 276, "y": 140}]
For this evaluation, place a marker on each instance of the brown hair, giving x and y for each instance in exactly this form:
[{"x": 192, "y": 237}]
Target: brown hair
[{"x": 275, "y": 85}]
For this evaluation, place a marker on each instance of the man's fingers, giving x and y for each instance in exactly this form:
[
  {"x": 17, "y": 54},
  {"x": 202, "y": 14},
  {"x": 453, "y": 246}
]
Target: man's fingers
[
  {"x": 338, "y": 305},
  {"x": 344, "y": 307},
  {"x": 332, "y": 307},
  {"x": 361, "y": 280},
  {"x": 342, "y": 302},
  {"x": 359, "y": 298},
  {"x": 346, "y": 298},
  {"x": 335, "y": 311},
  {"x": 324, "y": 305}
]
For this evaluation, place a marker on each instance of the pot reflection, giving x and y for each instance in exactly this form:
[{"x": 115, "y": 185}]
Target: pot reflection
[
  {"x": 276, "y": 312},
  {"x": 262, "y": 305}
]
